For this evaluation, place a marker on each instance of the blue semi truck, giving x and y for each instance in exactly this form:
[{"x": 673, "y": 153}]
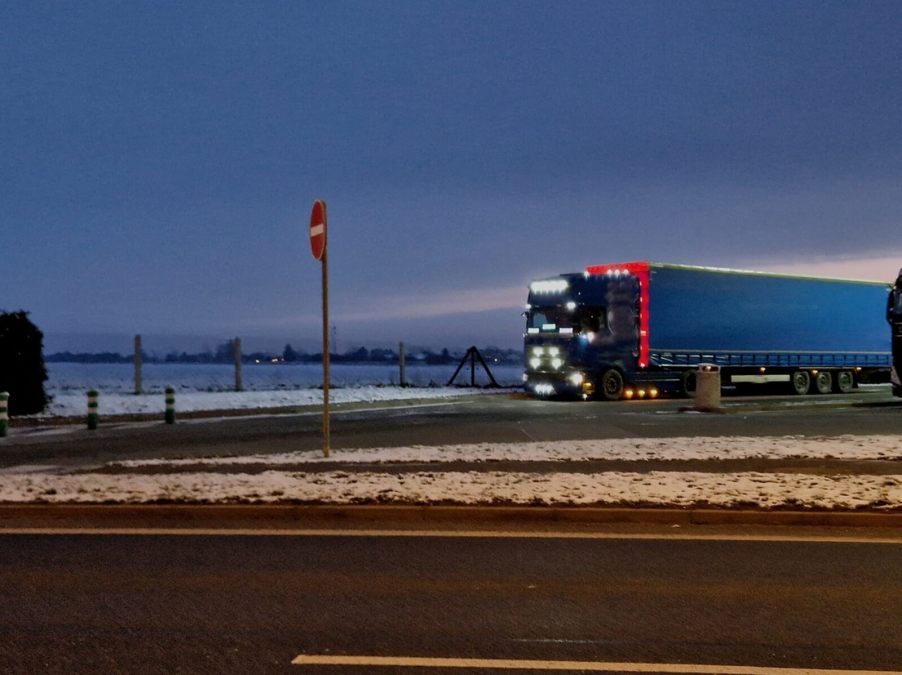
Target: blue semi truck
[
  {"x": 894, "y": 316},
  {"x": 639, "y": 329}
]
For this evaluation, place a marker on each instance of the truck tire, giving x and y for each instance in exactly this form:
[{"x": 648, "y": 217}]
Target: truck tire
[
  {"x": 687, "y": 383},
  {"x": 823, "y": 382},
  {"x": 800, "y": 382},
  {"x": 844, "y": 382},
  {"x": 610, "y": 386}
]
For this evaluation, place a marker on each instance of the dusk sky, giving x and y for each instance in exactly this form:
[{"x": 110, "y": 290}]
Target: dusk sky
[{"x": 158, "y": 160}]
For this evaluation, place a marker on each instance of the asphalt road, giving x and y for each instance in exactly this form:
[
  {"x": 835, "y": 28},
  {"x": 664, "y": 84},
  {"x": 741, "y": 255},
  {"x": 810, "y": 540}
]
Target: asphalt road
[
  {"x": 213, "y": 602},
  {"x": 207, "y": 603},
  {"x": 497, "y": 418}
]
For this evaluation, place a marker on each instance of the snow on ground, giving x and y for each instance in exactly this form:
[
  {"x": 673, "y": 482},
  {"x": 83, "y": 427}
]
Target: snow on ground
[
  {"x": 74, "y": 404},
  {"x": 635, "y": 449},
  {"x": 764, "y": 490},
  {"x": 422, "y": 485},
  {"x": 148, "y": 481}
]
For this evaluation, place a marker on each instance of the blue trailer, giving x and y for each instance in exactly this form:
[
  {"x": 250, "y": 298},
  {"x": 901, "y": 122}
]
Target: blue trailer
[
  {"x": 642, "y": 328},
  {"x": 894, "y": 316}
]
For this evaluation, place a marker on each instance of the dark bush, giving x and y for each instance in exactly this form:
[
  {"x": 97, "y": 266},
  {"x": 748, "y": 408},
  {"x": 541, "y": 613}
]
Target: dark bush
[{"x": 22, "y": 371}]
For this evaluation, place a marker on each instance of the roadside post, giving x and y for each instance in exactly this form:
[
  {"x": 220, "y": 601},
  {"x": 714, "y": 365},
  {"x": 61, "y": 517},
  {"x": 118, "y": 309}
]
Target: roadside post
[
  {"x": 137, "y": 362},
  {"x": 318, "y": 249},
  {"x": 169, "y": 417},
  {"x": 93, "y": 410},
  {"x": 707, "y": 388},
  {"x": 236, "y": 356},
  {"x": 4, "y": 413}
]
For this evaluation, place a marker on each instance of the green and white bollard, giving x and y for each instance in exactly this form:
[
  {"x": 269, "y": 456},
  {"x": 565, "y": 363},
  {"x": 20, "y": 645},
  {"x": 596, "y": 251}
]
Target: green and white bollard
[
  {"x": 4, "y": 412},
  {"x": 170, "y": 405},
  {"x": 93, "y": 410}
]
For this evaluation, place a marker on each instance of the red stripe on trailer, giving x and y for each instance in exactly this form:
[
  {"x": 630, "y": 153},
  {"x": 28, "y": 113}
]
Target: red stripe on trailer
[{"x": 639, "y": 269}]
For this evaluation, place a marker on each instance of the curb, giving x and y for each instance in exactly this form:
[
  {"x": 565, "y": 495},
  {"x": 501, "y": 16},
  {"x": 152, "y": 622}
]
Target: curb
[
  {"x": 295, "y": 516},
  {"x": 30, "y": 421}
]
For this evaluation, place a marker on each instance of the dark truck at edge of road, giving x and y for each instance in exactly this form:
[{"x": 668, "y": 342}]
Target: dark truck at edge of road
[
  {"x": 638, "y": 329},
  {"x": 894, "y": 316}
]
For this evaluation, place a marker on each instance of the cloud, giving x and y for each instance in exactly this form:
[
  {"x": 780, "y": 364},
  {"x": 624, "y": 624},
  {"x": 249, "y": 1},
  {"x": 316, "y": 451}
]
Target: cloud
[
  {"x": 881, "y": 267},
  {"x": 431, "y": 305}
]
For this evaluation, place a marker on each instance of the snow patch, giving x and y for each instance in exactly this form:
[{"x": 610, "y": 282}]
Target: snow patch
[{"x": 766, "y": 490}]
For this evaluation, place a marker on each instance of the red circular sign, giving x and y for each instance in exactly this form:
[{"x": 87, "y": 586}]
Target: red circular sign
[{"x": 318, "y": 229}]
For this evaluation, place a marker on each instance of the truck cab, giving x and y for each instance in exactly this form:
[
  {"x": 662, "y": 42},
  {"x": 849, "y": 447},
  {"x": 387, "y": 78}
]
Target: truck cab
[
  {"x": 894, "y": 316},
  {"x": 582, "y": 335}
]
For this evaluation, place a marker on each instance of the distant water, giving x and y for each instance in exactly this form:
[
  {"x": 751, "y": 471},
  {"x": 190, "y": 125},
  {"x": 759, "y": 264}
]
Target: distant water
[{"x": 119, "y": 377}]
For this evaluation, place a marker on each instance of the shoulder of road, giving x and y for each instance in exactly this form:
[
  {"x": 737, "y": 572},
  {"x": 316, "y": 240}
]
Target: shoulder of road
[
  {"x": 565, "y": 520},
  {"x": 739, "y": 405},
  {"x": 87, "y": 455}
]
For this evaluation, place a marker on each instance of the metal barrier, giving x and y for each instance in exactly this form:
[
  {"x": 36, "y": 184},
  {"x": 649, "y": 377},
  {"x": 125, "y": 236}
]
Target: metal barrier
[{"x": 707, "y": 387}]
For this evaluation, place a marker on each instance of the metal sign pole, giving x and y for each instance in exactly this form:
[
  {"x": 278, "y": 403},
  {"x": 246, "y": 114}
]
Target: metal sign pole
[
  {"x": 318, "y": 241},
  {"x": 325, "y": 351}
]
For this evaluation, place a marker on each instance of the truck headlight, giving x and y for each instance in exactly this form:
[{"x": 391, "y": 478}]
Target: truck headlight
[
  {"x": 535, "y": 363},
  {"x": 556, "y": 363},
  {"x": 576, "y": 379}
]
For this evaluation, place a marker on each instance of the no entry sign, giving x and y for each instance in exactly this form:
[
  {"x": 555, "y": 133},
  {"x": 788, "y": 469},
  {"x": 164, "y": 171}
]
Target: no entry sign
[
  {"x": 318, "y": 249},
  {"x": 318, "y": 229}
]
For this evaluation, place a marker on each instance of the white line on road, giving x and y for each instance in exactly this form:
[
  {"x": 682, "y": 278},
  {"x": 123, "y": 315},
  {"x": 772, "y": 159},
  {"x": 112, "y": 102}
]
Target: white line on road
[
  {"x": 591, "y": 666},
  {"x": 344, "y": 408},
  {"x": 459, "y": 534},
  {"x": 313, "y": 413}
]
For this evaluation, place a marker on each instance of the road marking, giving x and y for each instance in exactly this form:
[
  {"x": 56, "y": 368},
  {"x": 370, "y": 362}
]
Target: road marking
[
  {"x": 591, "y": 666},
  {"x": 562, "y": 641},
  {"x": 448, "y": 534},
  {"x": 346, "y": 410},
  {"x": 529, "y": 435},
  {"x": 343, "y": 409}
]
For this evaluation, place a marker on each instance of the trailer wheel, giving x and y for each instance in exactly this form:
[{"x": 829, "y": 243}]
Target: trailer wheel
[
  {"x": 844, "y": 382},
  {"x": 800, "y": 381},
  {"x": 687, "y": 383},
  {"x": 611, "y": 385},
  {"x": 823, "y": 382}
]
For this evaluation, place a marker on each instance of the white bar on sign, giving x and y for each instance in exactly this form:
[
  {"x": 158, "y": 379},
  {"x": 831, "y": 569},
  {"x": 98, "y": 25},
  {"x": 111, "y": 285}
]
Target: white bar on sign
[{"x": 317, "y": 229}]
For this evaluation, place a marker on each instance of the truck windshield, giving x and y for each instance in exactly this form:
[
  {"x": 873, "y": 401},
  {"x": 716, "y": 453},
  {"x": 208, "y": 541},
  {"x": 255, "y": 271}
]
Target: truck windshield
[{"x": 580, "y": 319}]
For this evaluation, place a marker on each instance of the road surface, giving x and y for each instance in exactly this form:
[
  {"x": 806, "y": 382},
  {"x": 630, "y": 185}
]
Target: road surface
[
  {"x": 501, "y": 418},
  {"x": 256, "y": 602}
]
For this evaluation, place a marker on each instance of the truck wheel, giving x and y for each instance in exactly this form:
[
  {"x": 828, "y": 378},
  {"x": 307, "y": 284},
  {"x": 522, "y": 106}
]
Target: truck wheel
[
  {"x": 823, "y": 382},
  {"x": 844, "y": 382},
  {"x": 800, "y": 381},
  {"x": 687, "y": 383},
  {"x": 611, "y": 385}
]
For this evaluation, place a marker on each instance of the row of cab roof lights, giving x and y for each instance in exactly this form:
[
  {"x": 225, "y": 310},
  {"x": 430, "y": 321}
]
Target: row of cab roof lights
[
  {"x": 616, "y": 273},
  {"x": 549, "y": 286},
  {"x": 561, "y": 285}
]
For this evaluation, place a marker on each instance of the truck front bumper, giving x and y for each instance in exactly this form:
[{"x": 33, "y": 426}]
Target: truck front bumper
[{"x": 547, "y": 385}]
